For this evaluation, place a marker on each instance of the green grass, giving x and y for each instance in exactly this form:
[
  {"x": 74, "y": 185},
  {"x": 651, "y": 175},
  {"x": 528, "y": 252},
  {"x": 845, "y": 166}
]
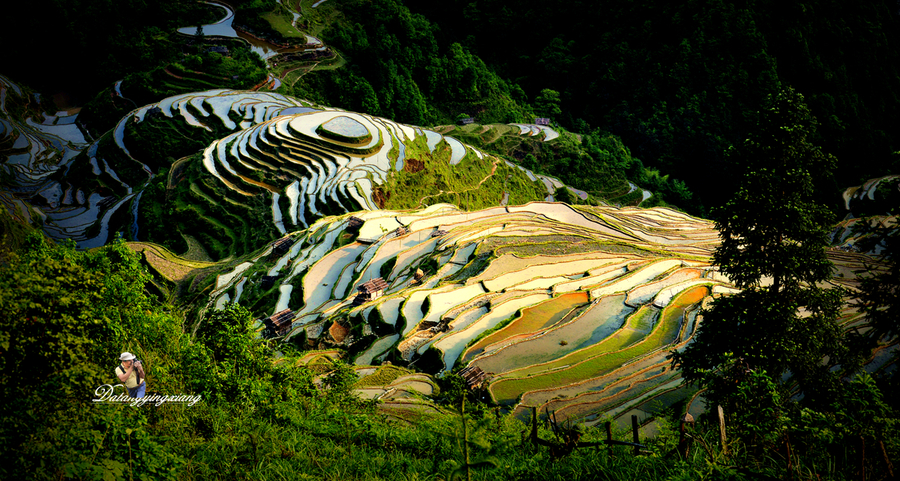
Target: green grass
[
  {"x": 319, "y": 18},
  {"x": 627, "y": 344},
  {"x": 383, "y": 376},
  {"x": 280, "y": 21},
  {"x": 469, "y": 184},
  {"x": 12, "y": 233}
]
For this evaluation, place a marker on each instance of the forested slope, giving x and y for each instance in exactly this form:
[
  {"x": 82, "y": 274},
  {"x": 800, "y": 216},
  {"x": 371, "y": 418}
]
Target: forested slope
[{"x": 680, "y": 82}]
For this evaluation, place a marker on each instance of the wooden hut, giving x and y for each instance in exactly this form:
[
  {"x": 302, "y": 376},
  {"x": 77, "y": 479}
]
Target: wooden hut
[
  {"x": 419, "y": 274},
  {"x": 267, "y": 282},
  {"x": 279, "y": 324},
  {"x": 281, "y": 246},
  {"x": 399, "y": 231},
  {"x": 370, "y": 290},
  {"x": 354, "y": 224},
  {"x": 542, "y": 121},
  {"x": 473, "y": 376},
  {"x": 439, "y": 233}
]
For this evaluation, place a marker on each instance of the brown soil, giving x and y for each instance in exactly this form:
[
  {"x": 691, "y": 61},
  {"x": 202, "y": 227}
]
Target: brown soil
[
  {"x": 166, "y": 70},
  {"x": 338, "y": 332},
  {"x": 443, "y": 129},
  {"x": 380, "y": 197},
  {"x": 413, "y": 165}
]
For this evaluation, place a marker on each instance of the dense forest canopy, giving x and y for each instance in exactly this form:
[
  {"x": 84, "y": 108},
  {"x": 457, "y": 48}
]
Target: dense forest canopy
[
  {"x": 679, "y": 82},
  {"x": 80, "y": 46}
]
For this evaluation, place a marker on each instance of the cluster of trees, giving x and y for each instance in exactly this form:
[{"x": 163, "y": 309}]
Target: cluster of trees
[
  {"x": 80, "y": 46},
  {"x": 756, "y": 350},
  {"x": 402, "y": 66},
  {"x": 680, "y": 82},
  {"x": 400, "y": 70}
]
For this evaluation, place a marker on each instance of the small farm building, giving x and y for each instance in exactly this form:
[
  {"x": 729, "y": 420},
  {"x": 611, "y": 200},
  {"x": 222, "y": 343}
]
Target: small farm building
[
  {"x": 267, "y": 282},
  {"x": 370, "y": 290},
  {"x": 279, "y": 323},
  {"x": 354, "y": 223},
  {"x": 473, "y": 376},
  {"x": 282, "y": 245}
]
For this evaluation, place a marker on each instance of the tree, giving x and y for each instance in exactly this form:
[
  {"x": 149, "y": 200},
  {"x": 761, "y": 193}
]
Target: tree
[
  {"x": 774, "y": 236},
  {"x": 229, "y": 362},
  {"x": 547, "y": 103}
]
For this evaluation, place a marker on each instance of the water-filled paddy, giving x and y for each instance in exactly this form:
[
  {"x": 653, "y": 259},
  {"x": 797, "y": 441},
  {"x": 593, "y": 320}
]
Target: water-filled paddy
[
  {"x": 601, "y": 320},
  {"x": 532, "y": 320}
]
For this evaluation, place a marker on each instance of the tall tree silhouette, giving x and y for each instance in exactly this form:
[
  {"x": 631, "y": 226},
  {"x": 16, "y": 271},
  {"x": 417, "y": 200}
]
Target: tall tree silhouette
[{"x": 774, "y": 236}]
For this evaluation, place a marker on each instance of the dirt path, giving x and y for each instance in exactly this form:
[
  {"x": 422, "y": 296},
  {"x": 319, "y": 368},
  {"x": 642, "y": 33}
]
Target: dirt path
[
  {"x": 172, "y": 74},
  {"x": 493, "y": 170},
  {"x": 310, "y": 69}
]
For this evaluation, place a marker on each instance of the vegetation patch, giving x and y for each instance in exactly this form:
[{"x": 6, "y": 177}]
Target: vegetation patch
[{"x": 383, "y": 376}]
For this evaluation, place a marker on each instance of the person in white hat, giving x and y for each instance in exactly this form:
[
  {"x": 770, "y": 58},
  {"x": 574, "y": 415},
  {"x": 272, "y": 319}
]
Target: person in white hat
[{"x": 131, "y": 372}]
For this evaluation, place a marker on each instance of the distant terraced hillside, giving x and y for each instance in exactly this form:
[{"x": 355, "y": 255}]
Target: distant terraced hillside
[
  {"x": 231, "y": 170},
  {"x": 876, "y": 200}
]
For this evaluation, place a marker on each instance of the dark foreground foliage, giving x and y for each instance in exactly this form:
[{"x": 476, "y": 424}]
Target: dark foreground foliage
[{"x": 68, "y": 315}]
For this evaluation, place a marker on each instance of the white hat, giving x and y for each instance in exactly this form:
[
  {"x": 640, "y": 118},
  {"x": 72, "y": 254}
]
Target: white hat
[{"x": 126, "y": 356}]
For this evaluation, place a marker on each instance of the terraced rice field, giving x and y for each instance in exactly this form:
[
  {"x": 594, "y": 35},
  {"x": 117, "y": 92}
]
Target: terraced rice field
[
  {"x": 568, "y": 308},
  {"x": 166, "y": 263},
  {"x": 598, "y": 359},
  {"x": 533, "y": 320},
  {"x": 548, "y": 299}
]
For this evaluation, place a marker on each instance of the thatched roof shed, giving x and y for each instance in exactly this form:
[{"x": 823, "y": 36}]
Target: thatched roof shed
[
  {"x": 473, "y": 376},
  {"x": 375, "y": 285},
  {"x": 280, "y": 322},
  {"x": 354, "y": 223},
  {"x": 282, "y": 245},
  {"x": 267, "y": 282}
]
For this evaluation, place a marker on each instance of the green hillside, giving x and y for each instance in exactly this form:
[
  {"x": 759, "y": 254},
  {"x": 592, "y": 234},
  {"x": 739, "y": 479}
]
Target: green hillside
[{"x": 399, "y": 239}]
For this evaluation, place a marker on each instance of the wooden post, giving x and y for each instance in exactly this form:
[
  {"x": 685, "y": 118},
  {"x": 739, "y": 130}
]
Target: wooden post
[
  {"x": 634, "y": 434},
  {"x": 534, "y": 431},
  {"x": 862, "y": 461},
  {"x": 722, "y": 439},
  {"x": 609, "y": 438},
  {"x": 684, "y": 447},
  {"x": 887, "y": 460}
]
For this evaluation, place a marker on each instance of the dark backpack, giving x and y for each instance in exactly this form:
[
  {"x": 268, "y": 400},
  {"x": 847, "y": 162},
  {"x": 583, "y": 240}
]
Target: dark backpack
[{"x": 137, "y": 372}]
